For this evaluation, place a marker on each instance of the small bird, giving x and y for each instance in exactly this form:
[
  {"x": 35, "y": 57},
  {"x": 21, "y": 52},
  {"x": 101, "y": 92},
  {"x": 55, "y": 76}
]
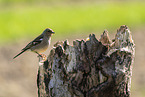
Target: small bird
[{"x": 39, "y": 44}]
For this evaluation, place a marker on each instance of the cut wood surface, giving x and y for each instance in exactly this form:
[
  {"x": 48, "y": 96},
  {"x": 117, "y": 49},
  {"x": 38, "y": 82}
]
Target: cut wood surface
[{"x": 89, "y": 68}]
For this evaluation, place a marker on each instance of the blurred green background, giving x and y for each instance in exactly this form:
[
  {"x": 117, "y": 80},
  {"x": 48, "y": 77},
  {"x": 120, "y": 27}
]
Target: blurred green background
[{"x": 22, "y": 20}]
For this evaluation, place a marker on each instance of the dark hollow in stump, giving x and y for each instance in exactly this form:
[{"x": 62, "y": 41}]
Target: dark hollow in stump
[{"x": 89, "y": 68}]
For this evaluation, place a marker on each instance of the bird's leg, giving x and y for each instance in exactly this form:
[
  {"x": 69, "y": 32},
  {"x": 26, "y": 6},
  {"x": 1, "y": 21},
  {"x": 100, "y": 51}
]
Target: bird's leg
[
  {"x": 43, "y": 56},
  {"x": 39, "y": 55}
]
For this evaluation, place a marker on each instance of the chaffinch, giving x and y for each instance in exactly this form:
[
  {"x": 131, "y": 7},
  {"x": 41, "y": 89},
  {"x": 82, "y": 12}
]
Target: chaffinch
[{"x": 39, "y": 44}]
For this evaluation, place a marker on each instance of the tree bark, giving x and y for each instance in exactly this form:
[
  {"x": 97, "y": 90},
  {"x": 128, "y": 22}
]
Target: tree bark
[{"x": 89, "y": 68}]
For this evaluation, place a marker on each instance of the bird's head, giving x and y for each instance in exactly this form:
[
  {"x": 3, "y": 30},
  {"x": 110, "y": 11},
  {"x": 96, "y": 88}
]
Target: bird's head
[{"x": 48, "y": 32}]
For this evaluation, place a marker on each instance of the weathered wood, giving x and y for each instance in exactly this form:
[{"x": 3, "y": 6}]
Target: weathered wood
[{"x": 89, "y": 68}]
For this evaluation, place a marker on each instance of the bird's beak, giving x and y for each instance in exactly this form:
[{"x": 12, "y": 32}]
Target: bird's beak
[{"x": 53, "y": 32}]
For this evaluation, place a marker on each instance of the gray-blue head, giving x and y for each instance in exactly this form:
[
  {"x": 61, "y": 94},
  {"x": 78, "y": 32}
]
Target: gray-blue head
[{"x": 48, "y": 31}]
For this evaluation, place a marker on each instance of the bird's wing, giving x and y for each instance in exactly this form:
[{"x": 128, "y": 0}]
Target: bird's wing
[{"x": 36, "y": 41}]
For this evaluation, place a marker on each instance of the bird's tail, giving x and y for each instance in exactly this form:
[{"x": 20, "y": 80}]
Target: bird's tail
[{"x": 20, "y": 53}]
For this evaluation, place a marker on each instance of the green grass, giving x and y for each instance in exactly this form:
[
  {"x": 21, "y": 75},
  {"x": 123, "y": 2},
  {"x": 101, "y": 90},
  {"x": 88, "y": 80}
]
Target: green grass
[{"x": 30, "y": 20}]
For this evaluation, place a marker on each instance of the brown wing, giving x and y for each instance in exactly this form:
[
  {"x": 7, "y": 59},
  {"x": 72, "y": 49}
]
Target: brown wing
[{"x": 36, "y": 41}]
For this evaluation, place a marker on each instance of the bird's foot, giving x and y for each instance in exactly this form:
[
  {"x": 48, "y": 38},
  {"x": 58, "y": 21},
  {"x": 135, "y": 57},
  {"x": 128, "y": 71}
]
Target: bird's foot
[{"x": 42, "y": 57}]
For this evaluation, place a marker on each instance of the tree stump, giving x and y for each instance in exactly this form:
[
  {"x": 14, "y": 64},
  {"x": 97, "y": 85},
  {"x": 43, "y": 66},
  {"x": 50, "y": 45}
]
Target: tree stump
[{"x": 89, "y": 68}]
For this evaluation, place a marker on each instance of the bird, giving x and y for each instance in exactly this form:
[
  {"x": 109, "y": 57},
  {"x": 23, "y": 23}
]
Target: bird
[{"x": 39, "y": 44}]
